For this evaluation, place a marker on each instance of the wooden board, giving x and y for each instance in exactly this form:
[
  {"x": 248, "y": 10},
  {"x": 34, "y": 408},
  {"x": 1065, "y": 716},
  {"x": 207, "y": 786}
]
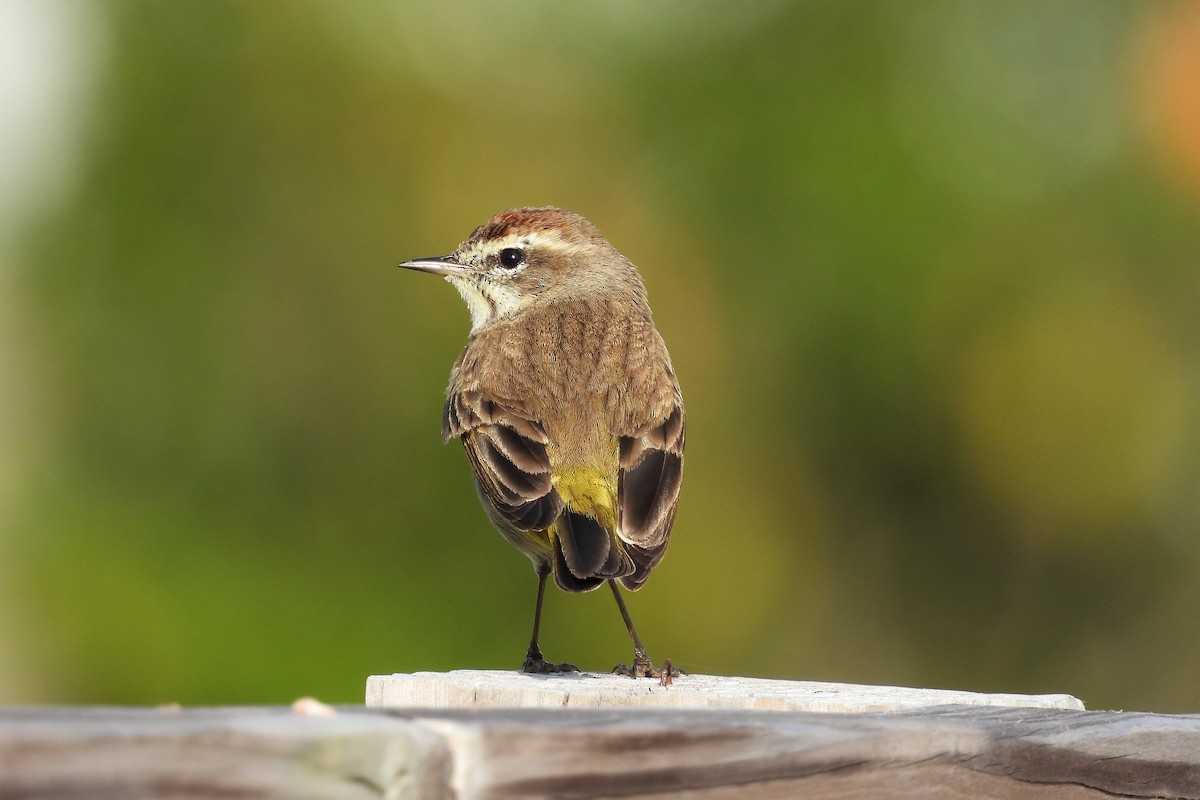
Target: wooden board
[
  {"x": 123, "y": 753},
  {"x": 709, "y": 754},
  {"x": 499, "y": 689}
]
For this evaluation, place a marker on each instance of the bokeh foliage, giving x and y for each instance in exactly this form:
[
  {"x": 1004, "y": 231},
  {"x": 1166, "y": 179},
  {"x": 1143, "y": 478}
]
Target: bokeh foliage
[{"x": 929, "y": 273}]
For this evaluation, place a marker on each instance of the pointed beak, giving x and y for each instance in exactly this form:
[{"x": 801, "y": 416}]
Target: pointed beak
[{"x": 438, "y": 265}]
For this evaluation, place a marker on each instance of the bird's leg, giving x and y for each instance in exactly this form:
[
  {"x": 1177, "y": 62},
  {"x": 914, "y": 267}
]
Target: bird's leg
[
  {"x": 533, "y": 657},
  {"x": 643, "y": 667}
]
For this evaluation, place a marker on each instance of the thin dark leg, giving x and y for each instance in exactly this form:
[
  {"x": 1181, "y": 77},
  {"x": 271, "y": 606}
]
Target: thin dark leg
[
  {"x": 639, "y": 652},
  {"x": 534, "y": 652},
  {"x": 533, "y": 656},
  {"x": 643, "y": 667}
]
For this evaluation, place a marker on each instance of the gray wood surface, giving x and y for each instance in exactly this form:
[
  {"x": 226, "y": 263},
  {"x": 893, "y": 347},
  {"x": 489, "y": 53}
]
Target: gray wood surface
[{"x": 943, "y": 752}]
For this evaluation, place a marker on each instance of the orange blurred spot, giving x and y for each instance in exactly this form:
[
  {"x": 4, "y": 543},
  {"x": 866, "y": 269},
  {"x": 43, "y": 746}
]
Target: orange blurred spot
[{"x": 1169, "y": 88}]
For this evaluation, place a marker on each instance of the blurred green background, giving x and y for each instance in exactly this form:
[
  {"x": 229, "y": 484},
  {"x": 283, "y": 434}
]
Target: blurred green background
[{"x": 929, "y": 272}]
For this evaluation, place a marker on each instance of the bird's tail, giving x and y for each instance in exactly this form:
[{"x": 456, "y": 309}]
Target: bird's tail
[{"x": 586, "y": 553}]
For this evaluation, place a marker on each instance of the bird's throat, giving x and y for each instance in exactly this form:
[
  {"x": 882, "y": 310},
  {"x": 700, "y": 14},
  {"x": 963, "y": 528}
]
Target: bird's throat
[{"x": 487, "y": 301}]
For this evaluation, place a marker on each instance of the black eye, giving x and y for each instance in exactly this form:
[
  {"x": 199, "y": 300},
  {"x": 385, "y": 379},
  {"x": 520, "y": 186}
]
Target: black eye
[{"x": 511, "y": 257}]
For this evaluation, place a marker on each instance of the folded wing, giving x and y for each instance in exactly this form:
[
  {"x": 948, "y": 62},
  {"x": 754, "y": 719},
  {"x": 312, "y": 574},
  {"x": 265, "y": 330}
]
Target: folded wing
[
  {"x": 651, "y": 469},
  {"x": 512, "y": 469},
  {"x": 508, "y": 456}
]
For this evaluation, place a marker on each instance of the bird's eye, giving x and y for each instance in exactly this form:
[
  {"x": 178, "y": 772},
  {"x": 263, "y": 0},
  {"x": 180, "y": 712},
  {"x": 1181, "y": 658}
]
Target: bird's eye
[{"x": 511, "y": 257}]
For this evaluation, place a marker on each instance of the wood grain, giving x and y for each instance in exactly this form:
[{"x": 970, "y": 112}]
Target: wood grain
[{"x": 942, "y": 752}]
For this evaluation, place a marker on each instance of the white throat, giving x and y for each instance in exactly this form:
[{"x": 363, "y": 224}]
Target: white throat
[{"x": 487, "y": 301}]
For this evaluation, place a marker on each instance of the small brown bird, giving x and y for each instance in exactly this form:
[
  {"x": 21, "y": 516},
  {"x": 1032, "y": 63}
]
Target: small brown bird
[{"x": 567, "y": 406}]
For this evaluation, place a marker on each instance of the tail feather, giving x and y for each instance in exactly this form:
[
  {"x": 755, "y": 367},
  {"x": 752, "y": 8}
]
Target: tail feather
[
  {"x": 567, "y": 581},
  {"x": 585, "y": 543},
  {"x": 586, "y": 553}
]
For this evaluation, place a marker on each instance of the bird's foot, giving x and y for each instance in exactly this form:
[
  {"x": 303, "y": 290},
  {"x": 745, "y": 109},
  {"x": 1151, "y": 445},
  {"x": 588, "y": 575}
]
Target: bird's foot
[
  {"x": 643, "y": 667},
  {"x": 534, "y": 663}
]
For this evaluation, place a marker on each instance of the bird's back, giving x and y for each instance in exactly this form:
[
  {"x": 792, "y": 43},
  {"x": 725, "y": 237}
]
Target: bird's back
[
  {"x": 588, "y": 370},
  {"x": 594, "y": 375}
]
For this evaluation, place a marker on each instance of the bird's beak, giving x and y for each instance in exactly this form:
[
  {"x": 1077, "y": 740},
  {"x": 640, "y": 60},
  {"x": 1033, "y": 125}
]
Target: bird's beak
[{"x": 438, "y": 265}]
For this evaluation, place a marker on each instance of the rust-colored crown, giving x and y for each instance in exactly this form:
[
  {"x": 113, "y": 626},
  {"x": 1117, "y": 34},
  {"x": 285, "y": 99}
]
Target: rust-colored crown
[{"x": 518, "y": 221}]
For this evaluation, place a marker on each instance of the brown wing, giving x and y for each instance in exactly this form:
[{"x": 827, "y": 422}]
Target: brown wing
[
  {"x": 508, "y": 456},
  {"x": 651, "y": 469}
]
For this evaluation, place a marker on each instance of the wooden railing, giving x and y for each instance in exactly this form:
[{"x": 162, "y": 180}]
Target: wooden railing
[{"x": 495, "y": 735}]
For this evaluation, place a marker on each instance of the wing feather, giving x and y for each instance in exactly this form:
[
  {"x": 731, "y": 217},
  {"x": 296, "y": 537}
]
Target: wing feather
[
  {"x": 508, "y": 457},
  {"x": 648, "y": 480}
]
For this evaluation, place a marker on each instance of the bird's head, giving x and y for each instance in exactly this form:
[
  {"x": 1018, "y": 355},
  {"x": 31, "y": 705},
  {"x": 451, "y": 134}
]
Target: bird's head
[{"x": 530, "y": 257}]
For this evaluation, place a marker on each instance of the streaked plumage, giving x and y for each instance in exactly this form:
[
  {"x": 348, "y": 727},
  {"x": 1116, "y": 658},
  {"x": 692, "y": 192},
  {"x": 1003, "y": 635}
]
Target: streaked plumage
[{"x": 566, "y": 402}]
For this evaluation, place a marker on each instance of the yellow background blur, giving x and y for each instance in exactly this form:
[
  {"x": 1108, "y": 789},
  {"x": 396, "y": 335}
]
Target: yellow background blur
[{"x": 929, "y": 271}]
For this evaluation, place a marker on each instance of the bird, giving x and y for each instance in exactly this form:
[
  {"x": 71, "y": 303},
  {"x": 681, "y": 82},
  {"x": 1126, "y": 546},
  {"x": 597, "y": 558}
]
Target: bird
[{"x": 567, "y": 406}]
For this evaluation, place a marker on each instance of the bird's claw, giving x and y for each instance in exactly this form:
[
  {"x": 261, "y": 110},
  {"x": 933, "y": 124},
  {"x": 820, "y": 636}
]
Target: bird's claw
[
  {"x": 643, "y": 667},
  {"x": 538, "y": 666}
]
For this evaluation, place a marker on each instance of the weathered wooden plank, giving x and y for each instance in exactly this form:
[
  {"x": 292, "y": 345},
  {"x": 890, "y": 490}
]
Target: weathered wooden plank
[
  {"x": 952, "y": 752},
  {"x": 111, "y": 753},
  {"x": 946, "y": 752},
  {"x": 500, "y": 689}
]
